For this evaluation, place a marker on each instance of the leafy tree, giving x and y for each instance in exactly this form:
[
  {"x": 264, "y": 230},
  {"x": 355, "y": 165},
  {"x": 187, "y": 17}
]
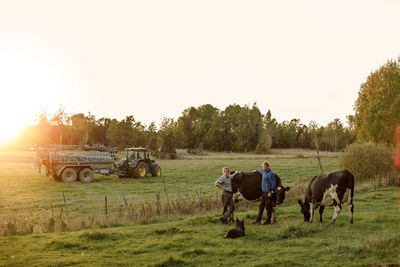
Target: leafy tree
[
  {"x": 205, "y": 116},
  {"x": 43, "y": 130},
  {"x": 218, "y": 137},
  {"x": 152, "y": 139},
  {"x": 112, "y": 133},
  {"x": 79, "y": 127},
  {"x": 186, "y": 126},
  {"x": 60, "y": 129},
  {"x": 167, "y": 136},
  {"x": 378, "y": 104},
  {"x": 98, "y": 131},
  {"x": 248, "y": 129},
  {"x": 287, "y": 134}
]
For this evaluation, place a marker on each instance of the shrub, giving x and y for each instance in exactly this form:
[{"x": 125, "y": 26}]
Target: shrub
[
  {"x": 369, "y": 162},
  {"x": 264, "y": 143}
]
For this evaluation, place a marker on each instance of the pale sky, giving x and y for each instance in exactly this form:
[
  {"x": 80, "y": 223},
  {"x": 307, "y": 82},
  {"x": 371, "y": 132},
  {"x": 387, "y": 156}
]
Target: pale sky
[{"x": 153, "y": 59}]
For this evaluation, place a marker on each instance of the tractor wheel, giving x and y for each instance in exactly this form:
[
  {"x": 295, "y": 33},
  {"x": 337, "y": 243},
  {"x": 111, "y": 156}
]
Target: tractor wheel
[
  {"x": 155, "y": 170},
  {"x": 141, "y": 170},
  {"x": 68, "y": 175},
  {"x": 132, "y": 173},
  {"x": 86, "y": 175}
]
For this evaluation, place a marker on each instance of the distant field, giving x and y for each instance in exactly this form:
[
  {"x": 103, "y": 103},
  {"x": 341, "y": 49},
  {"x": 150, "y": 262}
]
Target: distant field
[{"x": 191, "y": 239}]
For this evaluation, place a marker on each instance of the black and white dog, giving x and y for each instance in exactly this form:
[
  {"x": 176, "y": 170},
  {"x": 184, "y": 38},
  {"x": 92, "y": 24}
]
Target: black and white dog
[{"x": 238, "y": 231}]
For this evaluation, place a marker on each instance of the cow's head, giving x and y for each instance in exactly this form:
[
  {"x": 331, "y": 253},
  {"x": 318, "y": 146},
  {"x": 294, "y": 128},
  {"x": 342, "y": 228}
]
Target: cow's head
[
  {"x": 305, "y": 209},
  {"x": 281, "y": 194}
]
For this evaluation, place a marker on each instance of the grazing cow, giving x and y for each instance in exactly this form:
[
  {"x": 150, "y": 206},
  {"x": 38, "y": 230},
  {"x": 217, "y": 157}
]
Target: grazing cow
[
  {"x": 326, "y": 190},
  {"x": 248, "y": 184},
  {"x": 238, "y": 231}
]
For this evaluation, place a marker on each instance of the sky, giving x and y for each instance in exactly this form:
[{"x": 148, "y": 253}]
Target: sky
[{"x": 154, "y": 59}]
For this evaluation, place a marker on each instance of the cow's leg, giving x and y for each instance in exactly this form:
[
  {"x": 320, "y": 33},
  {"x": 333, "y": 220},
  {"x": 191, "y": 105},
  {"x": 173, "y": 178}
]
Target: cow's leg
[
  {"x": 351, "y": 206},
  {"x": 337, "y": 207},
  {"x": 225, "y": 211},
  {"x": 273, "y": 214},
  {"x": 321, "y": 210},
  {"x": 230, "y": 204},
  {"x": 311, "y": 212}
]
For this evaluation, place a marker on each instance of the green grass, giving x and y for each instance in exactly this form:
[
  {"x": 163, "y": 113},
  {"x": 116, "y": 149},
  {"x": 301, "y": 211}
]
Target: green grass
[
  {"x": 22, "y": 189},
  {"x": 198, "y": 240},
  {"x": 195, "y": 240}
]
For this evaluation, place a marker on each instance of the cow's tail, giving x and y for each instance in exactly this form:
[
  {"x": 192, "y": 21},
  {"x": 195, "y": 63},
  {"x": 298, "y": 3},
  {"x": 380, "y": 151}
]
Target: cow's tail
[
  {"x": 350, "y": 185},
  {"x": 351, "y": 194}
]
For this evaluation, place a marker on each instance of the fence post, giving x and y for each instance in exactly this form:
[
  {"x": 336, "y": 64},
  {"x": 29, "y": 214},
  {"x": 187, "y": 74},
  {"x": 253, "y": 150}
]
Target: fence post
[
  {"x": 179, "y": 200},
  {"x": 166, "y": 193},
  {"x": 127, "y": 206},
  {"x": 158, "y": 203}
]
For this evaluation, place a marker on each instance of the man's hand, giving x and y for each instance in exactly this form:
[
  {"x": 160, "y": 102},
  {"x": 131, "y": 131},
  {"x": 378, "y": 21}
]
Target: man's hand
[{"x": 269, "y": 195}]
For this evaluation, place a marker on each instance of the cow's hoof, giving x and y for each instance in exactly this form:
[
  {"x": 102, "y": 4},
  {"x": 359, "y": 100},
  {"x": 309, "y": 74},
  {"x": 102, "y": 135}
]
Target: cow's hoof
[
  {"x": 256, "y": 222},
  {"x": 266, "y": 222}
]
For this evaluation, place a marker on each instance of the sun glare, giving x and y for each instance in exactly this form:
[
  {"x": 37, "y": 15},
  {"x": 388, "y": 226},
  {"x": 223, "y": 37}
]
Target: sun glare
[
  {"x": 9, "y": 130},
  {"x": 28, "y": 85}
]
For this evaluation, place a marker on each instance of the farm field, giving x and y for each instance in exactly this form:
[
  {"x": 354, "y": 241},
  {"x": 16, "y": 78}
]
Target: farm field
[
  {"x": 23, "y": 189},
  {"x": 197, "y": 239}
]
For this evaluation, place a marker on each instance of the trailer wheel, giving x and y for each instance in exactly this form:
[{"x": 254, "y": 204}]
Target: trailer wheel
[
  {"x": 68, "y": 175},
  {"x": 86, "y": 175}
]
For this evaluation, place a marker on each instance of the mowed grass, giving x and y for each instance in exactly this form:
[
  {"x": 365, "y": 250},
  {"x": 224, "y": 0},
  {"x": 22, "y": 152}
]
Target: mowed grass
[{"x": 195, "y": 240}]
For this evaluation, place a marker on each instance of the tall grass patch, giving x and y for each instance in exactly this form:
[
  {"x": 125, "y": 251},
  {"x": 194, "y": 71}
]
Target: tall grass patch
[{"x": 369, "y": 163}]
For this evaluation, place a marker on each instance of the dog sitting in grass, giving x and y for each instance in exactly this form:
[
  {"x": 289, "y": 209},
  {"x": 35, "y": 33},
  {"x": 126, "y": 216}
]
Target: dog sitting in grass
[{"x": 238, "y": 231}]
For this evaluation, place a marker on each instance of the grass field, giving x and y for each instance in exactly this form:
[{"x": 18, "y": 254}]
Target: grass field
[{"x": 197, "y": 239}]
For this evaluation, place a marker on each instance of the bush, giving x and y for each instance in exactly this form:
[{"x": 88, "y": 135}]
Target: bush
[
  {"x": 264, "y": 143},
  {"x": 369, "y": 162}
]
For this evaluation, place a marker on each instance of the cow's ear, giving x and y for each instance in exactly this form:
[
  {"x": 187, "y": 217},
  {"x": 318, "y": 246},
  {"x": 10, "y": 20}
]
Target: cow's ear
[
  {"x": 300, "y": 203},
  {"x": 237, "y": 220},
  {"x": 287, "y": 188}
]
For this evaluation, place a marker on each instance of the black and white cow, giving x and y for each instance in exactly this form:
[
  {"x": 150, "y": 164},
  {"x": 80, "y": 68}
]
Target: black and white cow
[{"x": 326, "y": 190}]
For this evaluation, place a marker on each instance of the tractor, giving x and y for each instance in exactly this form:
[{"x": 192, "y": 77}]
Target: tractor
[{"x": 137, "y": 164}]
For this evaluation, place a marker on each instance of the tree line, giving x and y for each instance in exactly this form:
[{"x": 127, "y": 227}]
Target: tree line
[{"x": 236, "y": 128}]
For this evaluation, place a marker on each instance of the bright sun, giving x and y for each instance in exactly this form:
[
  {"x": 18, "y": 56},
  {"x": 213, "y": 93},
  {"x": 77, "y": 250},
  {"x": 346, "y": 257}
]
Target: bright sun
[
  {"x": 10, "y": 128},
  {"x": 28, "y": 85}
]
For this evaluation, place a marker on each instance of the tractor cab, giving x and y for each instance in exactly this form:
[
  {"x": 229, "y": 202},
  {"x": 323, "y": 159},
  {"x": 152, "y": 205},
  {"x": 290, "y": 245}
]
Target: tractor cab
[{"x": 137, "y": 154}]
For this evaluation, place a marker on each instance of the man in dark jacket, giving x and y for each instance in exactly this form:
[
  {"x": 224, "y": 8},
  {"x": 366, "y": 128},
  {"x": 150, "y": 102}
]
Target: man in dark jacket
[{"x": 268, "y": 186}]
